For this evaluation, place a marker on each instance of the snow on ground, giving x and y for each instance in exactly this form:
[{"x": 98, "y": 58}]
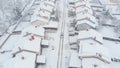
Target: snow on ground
[
  {"x": 51, "y": 52},
  {"x": 113, "y": 46},
  {"x": 114, "y": 49}
]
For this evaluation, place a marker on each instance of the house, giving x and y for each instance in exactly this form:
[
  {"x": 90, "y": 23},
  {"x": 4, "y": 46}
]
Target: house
[
  {"x": 85, "y": 24},
  {"x": 90, "y": 34},
  {"x": 84, "y": 9},
  {"x": 91, "y": 49},
  {"x": 50, "y": 3},
  {"x": 39, "y": 21},
  {"x": 46, "y": 7},
  {"x": 37, "y": 2},
  {"x": 41, "y": 59},
  {"x": 45, "y": 43},
  {"x": 41, "y": 14},
  {"x": 97, "y": 8},
  {"x": 36, "y": 8},
  {"x": 27, "y": 52},
  {"x": 71, "y": 31},
  {"x": 72, "y": 40},
  {"x": 31, "y": 44},
  {"x": 35, "y": 30},
  {"x": 29, "y": 47},
  {"x": 80, "y": 17},
  {"x": 24, "y": 59},
  {"x": 52, "y": 25},
  {"x": 82, "y": 3},
  {"x": 93, "y": 63},
  {"x": 44, "y": 14},
  {"x": 83, "y": 6},
  {"x": 74, "y": 61}
]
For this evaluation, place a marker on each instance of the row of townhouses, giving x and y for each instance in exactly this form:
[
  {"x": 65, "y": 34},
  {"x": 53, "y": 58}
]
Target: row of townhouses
[{"x": 91, "y": 51}]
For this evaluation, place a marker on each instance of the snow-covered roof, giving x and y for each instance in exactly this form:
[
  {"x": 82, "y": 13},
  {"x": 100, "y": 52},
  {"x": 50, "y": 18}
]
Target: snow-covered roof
[
  {"x": 86, "y": 16},
  {"x": 83, "y": 3},
  {"x": 37, "y": 2},
  {"x": 44, "y": 14},
  {"x": 36, "y": 9},
  {"x": 50, "y": 3},
  {"x": 45, "y": 42},
  {"x": 85, "y": 24},
  {"x": 24, "y": 60},
  {"x": 46, "y": 8},
  {"x": 74, "y": 61},
  {"x": 92, "y": 47},
  {"x": 72, "y": 40},
  {"x": 83, "y": 9},
  {"x": 39, "y": 20},
  {"x": 97, "y": 9},
  {"x": 41, "y": 59},
  {"x": 114, "y": 9},
  {"x": 32, "y": 45},
  {"x": 93, "y": 63},
  {"x": 94, "y": 50},
  {"x": 52, "y": 24},
  {"x": 34, "y": 30},
  {"x": 90, "y": 34}
]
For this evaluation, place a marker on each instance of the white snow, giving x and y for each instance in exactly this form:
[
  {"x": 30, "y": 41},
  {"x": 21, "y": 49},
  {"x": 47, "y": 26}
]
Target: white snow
[
  {"x": 89, "y": 24},
  {"x": 46, "y": 7},
  {"x": 52, "y": 24},
  {"x": 74, "y": 61},
  {"x": 29, "y": 45},
  {"x": 83, "y": 3},
  {"x": 91, "y": 48},
  {"x": 93, "y": 63},
  {"x": 34, "y": 30},
  {"x": 86, "y": 16},
  {"x": 86, "y": 34},
  {"x": 83, "y": 9},
  {"x": 24, "y": 59},
  {"x": 45, "y": 42},
  {"x": 41, "y": 59},
  {"x": 50, "y": 3},
  {"x": 32, "y": 45}
]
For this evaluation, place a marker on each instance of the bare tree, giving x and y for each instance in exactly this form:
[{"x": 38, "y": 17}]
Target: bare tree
[{"x": 10, "y": 12}]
